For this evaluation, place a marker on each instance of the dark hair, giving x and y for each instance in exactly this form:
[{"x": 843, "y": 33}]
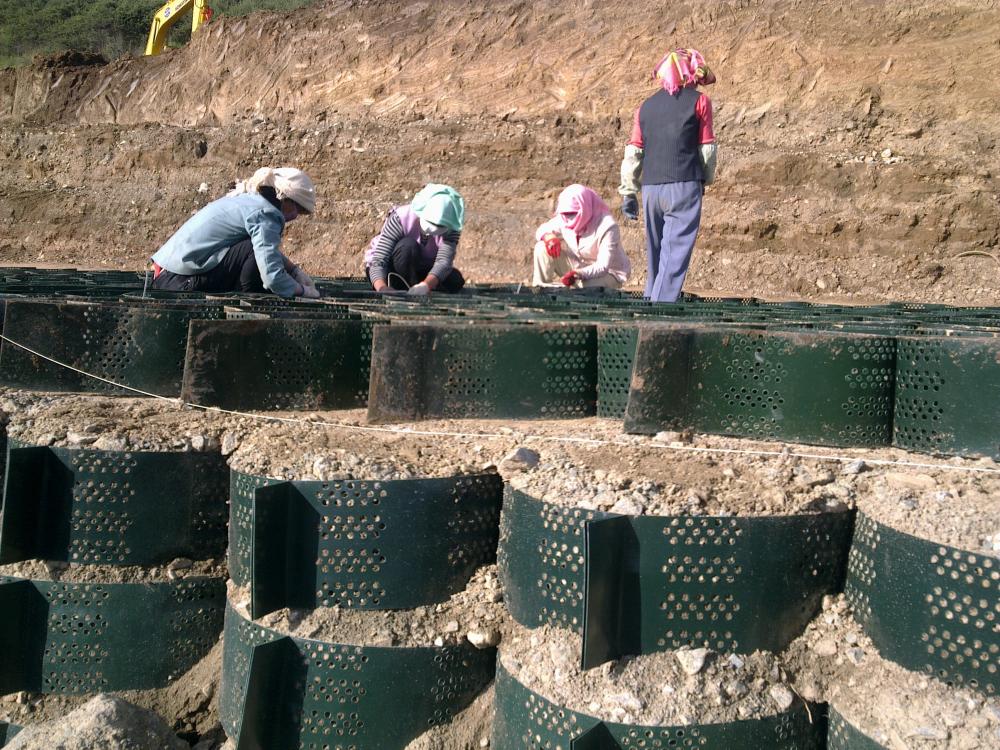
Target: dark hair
[{"x": 271, "y": 195}]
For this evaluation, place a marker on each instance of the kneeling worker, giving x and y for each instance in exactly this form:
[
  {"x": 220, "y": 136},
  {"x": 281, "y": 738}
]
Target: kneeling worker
[
  {"x": 232, "y": 244},
  {"x": 416, "y": 248},
  {"x": 581, "y": 245}
]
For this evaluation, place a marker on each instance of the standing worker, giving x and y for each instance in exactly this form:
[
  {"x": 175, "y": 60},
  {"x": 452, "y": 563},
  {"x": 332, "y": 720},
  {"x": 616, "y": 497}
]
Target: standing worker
[
  {"x": 232, "y": 244},
  {"x": 672, "y": 147},
  {"x": 581, "y": 245},
  {"x": 416, "y": 248}
]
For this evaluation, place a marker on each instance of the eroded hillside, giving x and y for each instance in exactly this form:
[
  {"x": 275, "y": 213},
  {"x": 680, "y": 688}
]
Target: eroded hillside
[{"x": 857, "y": 140}]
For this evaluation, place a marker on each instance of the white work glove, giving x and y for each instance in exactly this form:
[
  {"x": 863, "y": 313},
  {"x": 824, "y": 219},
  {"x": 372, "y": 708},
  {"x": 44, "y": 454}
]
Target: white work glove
[
  {"x": 419, "y": 290},
  {"x": 302, "y": 277}
]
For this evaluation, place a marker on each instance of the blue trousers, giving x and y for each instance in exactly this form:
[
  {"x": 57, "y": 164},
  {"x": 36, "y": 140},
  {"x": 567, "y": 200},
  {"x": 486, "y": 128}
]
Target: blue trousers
[{"x": 673, "y": 215}]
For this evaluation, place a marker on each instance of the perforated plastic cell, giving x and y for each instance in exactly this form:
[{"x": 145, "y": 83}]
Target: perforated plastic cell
[
  {"x": 7, "y": 732},
  {"x": 813, "y": 387},
  {"x": 726, "y": 583},
  {"x": 77, "y": 638},
  {"x": 282, "y": 364},
  {"x": 365, "y": 544},
  {"x": 141, "y": 346},
  {"x": 526, "y": 720},
  {"x": 241, "y": 494},
  {"x": 484, "y": 370},
  {"x": 842, "y": 735},
  {"x": 321, "y": 696},
  {"x": 541, "y": 560},
  {"x": 928, "y": 607},
  {"x": 113, "y": 507},
  {"x": 940, "y": 402},
  {"x": 615, "y": 356}
]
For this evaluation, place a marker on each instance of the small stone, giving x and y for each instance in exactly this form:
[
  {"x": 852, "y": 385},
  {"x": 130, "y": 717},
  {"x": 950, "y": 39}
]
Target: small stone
[
  {"x": 198, "y": 442},
  {"x": 782, "y": 695},
  {"x": 229, "y": 443},
  {"x": 851, "y": 639},
  {"x": 671, "y": 436},
  {"x": 627, "y": 507},
  {"x": 855, "y": 467},
  {"x": 203, "y": 187},
  {"x": 76, "y": 439},
  {"x": 736, "y": 689},
  {"x": 487, "y": 638},
  {"x": 451, "y": 626},
  {"x": 628, "y": 701},
  {"x": 825, "y": 647},
  {"x": 736, "y": 661},
  {"x": 908, "y": 504},
  {"x": 910, "y": 481},
  {"x": 519, "y": 459},
  {"x": 181, "y": 563},
  {"x": 886, "y": 153},
  {"x": 820, "y": 479},
  {"x": 484, "y": 742},
  {"x": 856, "y": 655},
  {"x": 692, "y": 660},
  {"x": 111, "y": 443},
  {"x": 928, "y": 733},
  {"x": 439, "y": 641}
]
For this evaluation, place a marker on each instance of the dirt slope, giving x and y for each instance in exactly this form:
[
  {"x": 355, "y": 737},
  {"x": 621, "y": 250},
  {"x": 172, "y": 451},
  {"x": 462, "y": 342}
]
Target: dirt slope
[{"x": 857, "y": 140}]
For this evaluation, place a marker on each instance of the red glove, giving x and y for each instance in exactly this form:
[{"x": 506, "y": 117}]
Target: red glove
[
  {"x": 553, "y": 245},
  {"x": 570, "y": 278}
]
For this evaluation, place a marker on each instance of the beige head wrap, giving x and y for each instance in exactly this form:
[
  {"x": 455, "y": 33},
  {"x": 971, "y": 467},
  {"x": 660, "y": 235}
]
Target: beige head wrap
[{"x": 288, "y": 182}]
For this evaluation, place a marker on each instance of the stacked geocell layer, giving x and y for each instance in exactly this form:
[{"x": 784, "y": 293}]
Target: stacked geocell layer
[
  {"x": 111, "y": 570},
  {"x": 352, "y": 596}
]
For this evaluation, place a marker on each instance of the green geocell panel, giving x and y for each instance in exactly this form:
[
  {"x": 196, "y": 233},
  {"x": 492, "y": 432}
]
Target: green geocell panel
[
  {"x": 811, "y": 387},
  {"x": 7, "y": 732},
  {"x": 527, "y": 721},
  {"x": 615, "y": 356},
  {"x": 95, "y": 637},
  {"x": 241, "y": 494},
  {"x": 842, "y": 735},
  {"x": 541, "y": 560},
  {"x": 930, "y": 608},
  {"x": 111, "y": 507},
  {"x": 363, "y": 544},
  {"x": 948, "y": 395},
  {"x": 451, "y": 370},
  {"x": 340, "y": 697},
  {"x": 142, "y": 347},
  {"x": 278, "y": 364},
  {"x": 726, "y": 583}
]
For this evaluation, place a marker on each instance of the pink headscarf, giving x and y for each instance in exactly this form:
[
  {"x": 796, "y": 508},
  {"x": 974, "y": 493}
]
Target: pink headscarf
[
  {"x": 585, "y": 203},
  {"x": 682, "y": 68}
]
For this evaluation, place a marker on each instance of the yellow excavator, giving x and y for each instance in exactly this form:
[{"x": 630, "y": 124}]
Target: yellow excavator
[{"x": 168, "y": 15}]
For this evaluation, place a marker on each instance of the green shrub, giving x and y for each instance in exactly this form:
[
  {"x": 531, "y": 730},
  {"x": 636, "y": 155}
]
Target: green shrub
[{"x": 109, "y": 27}]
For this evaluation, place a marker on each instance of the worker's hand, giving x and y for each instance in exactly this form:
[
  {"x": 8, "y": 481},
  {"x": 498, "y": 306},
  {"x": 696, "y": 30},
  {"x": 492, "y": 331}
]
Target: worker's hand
[
  {"x": 302, "y": 277},
  {"x": 553, "y": 244},
  {"x": 419, "y": 290},
  {"x": 630, "y": 207},
  {"x": 310, "y": 292},
  {"x": 570, "y": 278}
]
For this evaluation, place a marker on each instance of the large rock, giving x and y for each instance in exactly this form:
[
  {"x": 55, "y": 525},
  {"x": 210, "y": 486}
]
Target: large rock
[{"x": 104, "y": 723}]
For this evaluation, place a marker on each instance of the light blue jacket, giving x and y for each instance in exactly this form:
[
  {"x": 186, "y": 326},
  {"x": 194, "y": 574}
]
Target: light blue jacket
[{"x": 200, "y": 244}]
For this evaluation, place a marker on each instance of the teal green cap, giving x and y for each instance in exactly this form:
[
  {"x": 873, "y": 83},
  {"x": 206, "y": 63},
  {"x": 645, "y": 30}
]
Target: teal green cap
[{"x": 441, "y": 205}]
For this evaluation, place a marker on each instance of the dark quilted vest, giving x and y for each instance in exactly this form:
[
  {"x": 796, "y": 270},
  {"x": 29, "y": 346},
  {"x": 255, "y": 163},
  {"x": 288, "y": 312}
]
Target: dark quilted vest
[{"x": 670, "y": 132}]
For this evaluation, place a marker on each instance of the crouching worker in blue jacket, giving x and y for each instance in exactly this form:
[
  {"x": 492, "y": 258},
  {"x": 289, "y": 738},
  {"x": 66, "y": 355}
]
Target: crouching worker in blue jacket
[{"x": 233, "y": 244}]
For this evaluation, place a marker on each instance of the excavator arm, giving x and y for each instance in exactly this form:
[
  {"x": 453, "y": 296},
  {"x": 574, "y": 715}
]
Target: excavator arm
[{"x": 168, "y": 15}]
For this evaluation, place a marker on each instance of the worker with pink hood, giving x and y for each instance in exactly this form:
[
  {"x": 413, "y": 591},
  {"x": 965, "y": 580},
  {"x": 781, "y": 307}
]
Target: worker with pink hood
[
  {"x": 581, "y": 245},
  {"x": 672, "y": 148}
]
